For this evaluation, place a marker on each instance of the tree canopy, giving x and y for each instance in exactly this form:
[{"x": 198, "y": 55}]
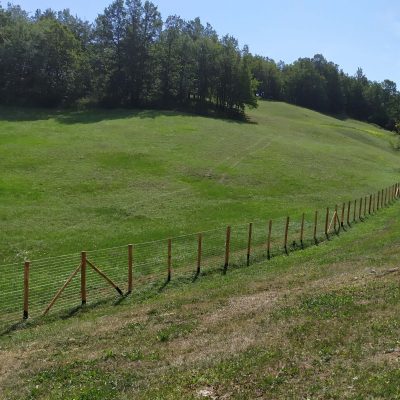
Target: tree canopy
[{"x": 130, "y": 57}]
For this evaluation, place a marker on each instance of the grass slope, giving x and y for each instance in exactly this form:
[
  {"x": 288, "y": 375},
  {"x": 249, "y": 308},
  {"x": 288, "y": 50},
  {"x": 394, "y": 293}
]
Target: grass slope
[
  {"x": 322, "y": 323},
  {"x": 84, "y": 180}
]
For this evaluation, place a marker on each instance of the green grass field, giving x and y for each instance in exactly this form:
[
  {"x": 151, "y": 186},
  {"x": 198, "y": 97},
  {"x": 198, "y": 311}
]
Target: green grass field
[
  {"x": 72, "y": 181},
  {"x": 322, "y": 323}
]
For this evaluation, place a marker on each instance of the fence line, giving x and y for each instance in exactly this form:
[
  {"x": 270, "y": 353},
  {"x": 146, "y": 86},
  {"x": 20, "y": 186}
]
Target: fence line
[{"x": 57, "y": 284}]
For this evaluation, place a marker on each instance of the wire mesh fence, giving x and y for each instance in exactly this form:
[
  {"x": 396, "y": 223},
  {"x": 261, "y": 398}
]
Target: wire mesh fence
[{"x": 64, "y": 283}]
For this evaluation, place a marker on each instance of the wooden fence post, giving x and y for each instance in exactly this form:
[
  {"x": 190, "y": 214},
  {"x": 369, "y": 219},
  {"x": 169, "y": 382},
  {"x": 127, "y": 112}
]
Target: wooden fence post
[
  {"x": 327, "y": 223},
  {"x": 169, "y": 260},
  {"x": 348, "y": 213},
  {"x": 335, "y": 217},
  {"x": 199, "y": 250},
  {"x": 377, "y": 203},
  {"x": 26, "y": 290},
  {"x": 83, "y": 278},
  {"x": 365, "y": 206},
  {"x": 342, "y": 216},
  {"x": 60, "y": 291},
  {"x": 315, "y": 227},
  {"x": 302, "y": 232},
  {"x": 360, "y": 209},
  {"x": 249, "y": 243},
  {"x": 355, "y": 211},
  {"x": 370, "y": 203},
  {"x": 269, "y": 240},
  {"x": 286, "y": 235},
  {"x": 227, "y": 248},
  {"x": 386, "y": 196},
  {"x": 130, "y": 268}
]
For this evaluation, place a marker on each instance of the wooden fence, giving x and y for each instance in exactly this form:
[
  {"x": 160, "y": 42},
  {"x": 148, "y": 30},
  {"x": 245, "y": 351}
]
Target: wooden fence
[{"x": 55, "y": 284}]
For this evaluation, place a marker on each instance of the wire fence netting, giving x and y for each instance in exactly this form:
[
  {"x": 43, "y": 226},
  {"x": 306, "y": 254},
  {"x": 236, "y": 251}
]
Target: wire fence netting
[{"x": 55, "y": 284}]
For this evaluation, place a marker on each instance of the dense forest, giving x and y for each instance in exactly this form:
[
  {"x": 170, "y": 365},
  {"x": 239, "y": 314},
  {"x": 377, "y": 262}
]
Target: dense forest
[{"x": 130, "y": 57}]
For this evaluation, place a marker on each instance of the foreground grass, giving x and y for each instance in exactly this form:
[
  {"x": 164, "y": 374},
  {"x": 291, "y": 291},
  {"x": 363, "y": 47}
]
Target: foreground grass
[
  {"x": 83, "y": 180},
  {"x": 322, "y": 323}
]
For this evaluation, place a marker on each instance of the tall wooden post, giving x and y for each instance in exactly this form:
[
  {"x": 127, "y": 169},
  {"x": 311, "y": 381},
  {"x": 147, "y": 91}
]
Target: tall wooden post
[
  {"x": 302, "y": 231},
  {"x": 169, "y": 260},
  {"x": 26, "y": 290},
  {"x": 355, "y": 210},
  {"x": 377, "y": 203},
  {"x": 269, "y": 239},
  {"x": 342, "y": 216},
  {"x": 249, "y": 243},
  {"x": 370, "y": 204},
  {"x": 327, "y": 223},
  {"x": 315, "y": 227},
  {"x": 360, "y": 209},
  {"x": 335, "y": 218},
  {"x": 227, "y": 248},
  {"x": 83, "y": 278},
  {"x": 365, "y": 207},
  {"x": 348, "y": 213},
  {"x": 130, "y": 268},
  {"x": 199, "y": 251},
  {"x": 286, "y": 236}
]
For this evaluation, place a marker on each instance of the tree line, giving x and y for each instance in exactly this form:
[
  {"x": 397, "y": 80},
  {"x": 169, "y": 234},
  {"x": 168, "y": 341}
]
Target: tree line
[{"x": 130, "y": 57}]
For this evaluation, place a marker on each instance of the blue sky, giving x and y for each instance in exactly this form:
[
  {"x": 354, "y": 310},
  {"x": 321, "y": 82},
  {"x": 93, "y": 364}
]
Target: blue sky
[{"x": 351, "y": 33}]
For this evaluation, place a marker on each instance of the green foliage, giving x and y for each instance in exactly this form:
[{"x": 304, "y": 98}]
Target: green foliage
[{"x": 130, "y": 57}]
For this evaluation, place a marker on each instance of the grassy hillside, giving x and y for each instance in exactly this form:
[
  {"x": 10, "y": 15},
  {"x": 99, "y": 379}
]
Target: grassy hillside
[
  {"x": 84, "y": 180},
  {"x": 320, "y": 324}
]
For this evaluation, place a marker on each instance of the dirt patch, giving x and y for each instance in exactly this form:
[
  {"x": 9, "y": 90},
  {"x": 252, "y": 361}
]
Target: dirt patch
[
  {"x": 238, "y": 307},
  {"x": 389, "y": 356},
  {"x": 231, "y": 329},
  {"x": 11, "y": 362}
]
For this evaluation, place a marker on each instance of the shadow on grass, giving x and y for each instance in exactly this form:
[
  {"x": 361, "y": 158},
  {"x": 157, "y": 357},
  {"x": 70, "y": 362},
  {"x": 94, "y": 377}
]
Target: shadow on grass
[{"x": 95, "y": 115}]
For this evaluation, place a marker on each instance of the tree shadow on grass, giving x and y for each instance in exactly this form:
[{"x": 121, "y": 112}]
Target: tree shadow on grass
[{"x": 95, "y": 115}]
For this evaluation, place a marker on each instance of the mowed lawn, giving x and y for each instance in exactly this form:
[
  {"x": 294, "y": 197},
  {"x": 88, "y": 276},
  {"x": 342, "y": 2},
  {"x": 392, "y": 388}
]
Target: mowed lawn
[{"x": 72, "y": 181}]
